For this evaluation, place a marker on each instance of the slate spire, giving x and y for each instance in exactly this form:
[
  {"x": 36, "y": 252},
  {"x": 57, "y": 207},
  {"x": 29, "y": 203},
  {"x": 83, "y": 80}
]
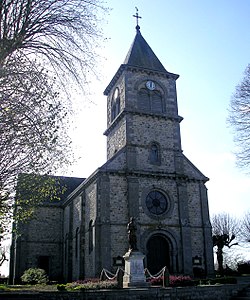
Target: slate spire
[{"x": 141, "y": 55}]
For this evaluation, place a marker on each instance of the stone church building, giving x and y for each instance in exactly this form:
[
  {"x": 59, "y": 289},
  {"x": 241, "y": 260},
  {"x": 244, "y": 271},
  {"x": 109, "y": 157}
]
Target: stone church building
[{"x": 146, "y": 176}]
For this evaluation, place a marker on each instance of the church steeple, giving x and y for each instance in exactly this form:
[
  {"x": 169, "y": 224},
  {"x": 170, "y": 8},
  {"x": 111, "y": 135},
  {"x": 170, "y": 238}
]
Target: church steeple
[
  {"x": 142, "y": 94},
  {"x": 141, "y": 55}
]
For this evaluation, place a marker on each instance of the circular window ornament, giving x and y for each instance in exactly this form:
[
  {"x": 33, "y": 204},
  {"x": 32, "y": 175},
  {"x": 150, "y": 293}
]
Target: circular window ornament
[{"x": 156, "y": 203}]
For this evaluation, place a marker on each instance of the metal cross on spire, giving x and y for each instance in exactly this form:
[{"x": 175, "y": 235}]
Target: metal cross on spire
[{"x": 137, "y": 17}]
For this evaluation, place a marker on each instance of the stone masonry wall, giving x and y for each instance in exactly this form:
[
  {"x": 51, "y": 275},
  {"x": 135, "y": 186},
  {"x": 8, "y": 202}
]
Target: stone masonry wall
[
  {"x": 147, "y": 223},
  {"x": 118, "y": 215},
  {"x": 90, "y": 225},
  {"x": 77, "y": 219},
  {"x": 66, "y": 240},
  {"x": 35, "y": 243},
  {"x": 116, "y": 140}
]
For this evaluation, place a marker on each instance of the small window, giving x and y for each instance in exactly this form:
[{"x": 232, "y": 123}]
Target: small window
[
  {"x": 91, "y": 236},
  {"x": 115, "y": 104},
  {"x": 154, "y": 154}
]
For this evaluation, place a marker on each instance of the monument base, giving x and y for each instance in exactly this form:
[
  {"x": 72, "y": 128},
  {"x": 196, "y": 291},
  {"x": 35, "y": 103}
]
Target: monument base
[{"x": 134, "y": 270}]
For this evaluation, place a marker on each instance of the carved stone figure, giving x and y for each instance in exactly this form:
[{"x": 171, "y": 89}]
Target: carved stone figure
[{"x": 132, "y": 240}]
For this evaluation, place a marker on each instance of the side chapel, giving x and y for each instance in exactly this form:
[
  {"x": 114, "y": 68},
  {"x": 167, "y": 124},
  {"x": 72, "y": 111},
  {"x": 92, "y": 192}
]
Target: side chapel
[{"x": 146, "y": 176}]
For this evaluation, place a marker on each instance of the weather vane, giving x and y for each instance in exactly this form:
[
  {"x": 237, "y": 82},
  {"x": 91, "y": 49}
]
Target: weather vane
[{"x": 137, "y": 17}]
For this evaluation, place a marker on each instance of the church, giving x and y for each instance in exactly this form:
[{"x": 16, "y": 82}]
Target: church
[{"x": 146, "y": 177}]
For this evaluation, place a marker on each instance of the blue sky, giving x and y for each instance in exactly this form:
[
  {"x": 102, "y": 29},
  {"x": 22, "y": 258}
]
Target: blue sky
[{"x": 208, "y": 44}]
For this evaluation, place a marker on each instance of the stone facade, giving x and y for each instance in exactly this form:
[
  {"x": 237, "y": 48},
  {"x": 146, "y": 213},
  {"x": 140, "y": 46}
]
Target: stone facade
[
  {"x": 39, "y": 243},
  {"x": 146, "y": 176}
]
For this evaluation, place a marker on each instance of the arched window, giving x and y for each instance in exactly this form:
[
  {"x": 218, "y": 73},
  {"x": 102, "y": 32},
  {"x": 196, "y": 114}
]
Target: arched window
[
  {"x": 115, "y": 104},
  {"x": 154, "y": 154},
  {"x": 77, "y": 242},
  {"x": 90, "y": 236},
  {"x": 150, "y": 101}
]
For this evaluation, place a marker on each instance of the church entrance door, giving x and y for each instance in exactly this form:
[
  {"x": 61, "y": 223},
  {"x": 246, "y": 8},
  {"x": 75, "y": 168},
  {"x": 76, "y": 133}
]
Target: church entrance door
[{"x": 158, "y": 254}]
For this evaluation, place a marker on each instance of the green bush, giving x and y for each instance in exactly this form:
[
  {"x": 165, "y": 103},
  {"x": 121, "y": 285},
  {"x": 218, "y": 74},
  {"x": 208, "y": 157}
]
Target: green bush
[
  {"x": 61, "y": 287},
  {"x": 3, "y": 287},
  {"x": 34, "y": 276}
]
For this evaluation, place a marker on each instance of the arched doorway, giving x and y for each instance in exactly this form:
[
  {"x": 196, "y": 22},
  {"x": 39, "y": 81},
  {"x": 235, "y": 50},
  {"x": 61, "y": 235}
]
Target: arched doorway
[{"x": 158, "y": 253}]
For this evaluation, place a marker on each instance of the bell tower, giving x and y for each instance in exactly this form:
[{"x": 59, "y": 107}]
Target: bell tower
[
  {"x": 154, "y": 181},
  {"x": 143, "y": 113}
]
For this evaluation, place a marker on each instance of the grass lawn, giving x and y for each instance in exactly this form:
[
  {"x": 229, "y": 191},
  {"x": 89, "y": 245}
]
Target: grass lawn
[{"x": 28, "y": 288}]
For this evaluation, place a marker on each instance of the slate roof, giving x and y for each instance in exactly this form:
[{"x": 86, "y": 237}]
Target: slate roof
[
  {"x": 67, "y": 184},
  {"x": 141, "y": 55},
  {"x": 71, "y": 183}
]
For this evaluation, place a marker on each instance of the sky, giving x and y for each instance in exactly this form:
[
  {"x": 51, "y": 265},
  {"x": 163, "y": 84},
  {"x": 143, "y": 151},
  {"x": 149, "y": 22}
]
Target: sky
[{"x": 208, "y": 44}]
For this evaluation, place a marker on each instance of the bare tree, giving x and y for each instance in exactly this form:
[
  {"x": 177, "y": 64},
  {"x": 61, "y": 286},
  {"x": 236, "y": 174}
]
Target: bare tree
[
  {"x": 246, "y": 227},
  {"x": 44, "y": 45},
  {"x": 62, "y": 33},
  {"x": 239, "y": 119},
  {"x": 33, "y": 137},
  {"x": 32, "y": 131},
  {"x": 40, "y": 41},
  {"x": 5, "y": 217},
  {"x": 225, "y": 229}
]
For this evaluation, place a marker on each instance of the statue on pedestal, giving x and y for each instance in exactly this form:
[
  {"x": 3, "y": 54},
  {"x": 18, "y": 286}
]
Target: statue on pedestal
[
  {"x": 134, "y": 275},
  {"x": 132, "y": 239}
]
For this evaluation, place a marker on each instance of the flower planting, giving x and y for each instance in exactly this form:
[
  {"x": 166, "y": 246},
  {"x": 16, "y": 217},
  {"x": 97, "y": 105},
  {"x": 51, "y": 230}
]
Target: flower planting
[{"x": 93, "y": 283}]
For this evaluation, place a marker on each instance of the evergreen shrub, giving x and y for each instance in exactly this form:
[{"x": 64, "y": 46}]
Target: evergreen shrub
[{"x": 34, "y": 276}]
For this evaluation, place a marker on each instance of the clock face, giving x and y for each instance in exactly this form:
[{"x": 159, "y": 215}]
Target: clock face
[
  {"x": 150, "y": 85},
  {"x": 156, "y": 203}
]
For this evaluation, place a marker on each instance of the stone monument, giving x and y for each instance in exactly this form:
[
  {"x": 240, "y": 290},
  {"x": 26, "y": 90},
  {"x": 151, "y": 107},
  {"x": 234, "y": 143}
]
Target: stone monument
[{"x": 134, "y": 275}]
